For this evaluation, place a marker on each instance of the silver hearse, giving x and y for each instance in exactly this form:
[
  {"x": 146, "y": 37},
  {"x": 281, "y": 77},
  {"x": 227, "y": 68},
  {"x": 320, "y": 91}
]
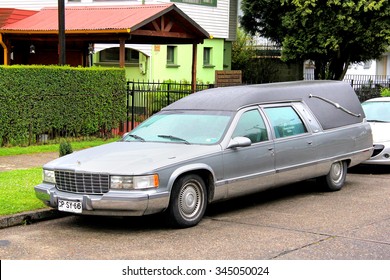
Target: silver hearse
[{"x": 215, "y": 145}]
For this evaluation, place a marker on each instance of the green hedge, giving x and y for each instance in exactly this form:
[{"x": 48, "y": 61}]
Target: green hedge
[{"x": 59, "y": 101}]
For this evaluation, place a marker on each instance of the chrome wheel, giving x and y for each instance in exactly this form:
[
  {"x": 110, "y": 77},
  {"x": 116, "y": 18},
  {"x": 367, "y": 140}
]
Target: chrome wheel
[
  {"x": 191, "y": 200},
  {"x": 335, "y": 179},
  {"x": 188, "y": 201},
  {"x": 336, "y": 172}
]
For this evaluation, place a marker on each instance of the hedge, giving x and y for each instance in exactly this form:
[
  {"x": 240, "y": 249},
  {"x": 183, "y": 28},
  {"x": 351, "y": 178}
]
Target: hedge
[{"x": 59, "y": 101}]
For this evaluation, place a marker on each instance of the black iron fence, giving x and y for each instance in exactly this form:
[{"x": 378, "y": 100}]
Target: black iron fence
[
  {"x": 144, "y": 98},
  {"x": 365, "y": 86},
  {"x": 368, "y": 86}
]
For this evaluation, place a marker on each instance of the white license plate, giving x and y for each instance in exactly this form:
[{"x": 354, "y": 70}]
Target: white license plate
[{"x": 70, "y": 206}]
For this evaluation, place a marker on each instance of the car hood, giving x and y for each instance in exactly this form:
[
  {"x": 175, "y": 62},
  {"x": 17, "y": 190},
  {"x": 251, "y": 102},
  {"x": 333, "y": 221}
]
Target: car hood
[
  {"x": 380, "y": 132},
  {"x": 130, "y": 157}
]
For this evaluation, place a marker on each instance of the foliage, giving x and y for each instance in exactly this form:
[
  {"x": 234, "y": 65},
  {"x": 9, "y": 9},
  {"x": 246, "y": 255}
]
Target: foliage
[
  {"x": 385, "y": 92},
  {"x": 17, "y": 191},
  {"x": 332, "y": 33},
  {"x": 65, "y": 148},
  {"x": 243, "y": 51},
  {"x": 59, "y": 101},
  {"x": 259, "y": 64}
]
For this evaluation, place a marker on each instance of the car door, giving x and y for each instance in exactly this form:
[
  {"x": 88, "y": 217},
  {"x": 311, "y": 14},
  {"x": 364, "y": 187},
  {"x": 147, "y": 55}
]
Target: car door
[
  {"x": 249, "y": 169},
  {"x": 295, "y": 153}
]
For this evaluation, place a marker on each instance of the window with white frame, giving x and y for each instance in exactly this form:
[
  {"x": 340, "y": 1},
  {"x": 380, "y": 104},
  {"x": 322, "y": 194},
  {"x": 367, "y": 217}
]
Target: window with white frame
[
  {"x": 112, "y": 55},
  {"x": 207, "y": 52},
  {"x": 212, "y": 3},
  {"x": 171, "y": 55}
]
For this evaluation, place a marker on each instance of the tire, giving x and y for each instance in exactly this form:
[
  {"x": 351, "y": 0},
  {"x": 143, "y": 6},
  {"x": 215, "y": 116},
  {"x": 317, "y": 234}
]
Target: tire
[
  {"x": 335, "y": 179},
  {"x": 188, "y": 201}
]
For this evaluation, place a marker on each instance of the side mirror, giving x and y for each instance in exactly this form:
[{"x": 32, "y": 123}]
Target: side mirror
[{"x": 238, "y": 142}]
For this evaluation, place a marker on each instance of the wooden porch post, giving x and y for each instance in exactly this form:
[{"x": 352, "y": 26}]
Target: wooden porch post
[
  {"x": 6, "y": 55},
  {"x": 122, "y": 52},
  {"x": 194, "y": 59}
]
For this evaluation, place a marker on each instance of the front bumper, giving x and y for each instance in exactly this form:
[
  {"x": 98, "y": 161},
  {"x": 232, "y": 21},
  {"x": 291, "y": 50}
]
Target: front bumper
[
  {"x": 381, "y": 154},
  {"x": 112, "y": 203}
]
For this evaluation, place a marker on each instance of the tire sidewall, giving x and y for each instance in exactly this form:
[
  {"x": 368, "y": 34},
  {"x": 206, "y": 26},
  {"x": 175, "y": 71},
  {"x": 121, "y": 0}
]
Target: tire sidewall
[
  {"x": 330, "y": 184},
  {"x": 175, "y": 216}
]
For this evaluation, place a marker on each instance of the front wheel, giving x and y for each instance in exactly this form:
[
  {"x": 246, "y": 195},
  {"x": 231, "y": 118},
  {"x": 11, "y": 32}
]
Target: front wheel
[
  {"x": 335, "y": 179},
  {"x": 188, "y": 201}
]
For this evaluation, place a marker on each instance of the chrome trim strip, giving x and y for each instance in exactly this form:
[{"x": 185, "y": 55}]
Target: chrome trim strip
[{"x": 335, "y": 104}]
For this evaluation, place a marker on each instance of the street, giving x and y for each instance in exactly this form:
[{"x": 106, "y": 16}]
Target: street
[{"x": 294, "y": 222}]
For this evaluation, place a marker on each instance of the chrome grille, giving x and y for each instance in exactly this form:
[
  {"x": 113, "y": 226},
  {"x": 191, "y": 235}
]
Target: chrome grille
[{"x": 91, "y": 183}]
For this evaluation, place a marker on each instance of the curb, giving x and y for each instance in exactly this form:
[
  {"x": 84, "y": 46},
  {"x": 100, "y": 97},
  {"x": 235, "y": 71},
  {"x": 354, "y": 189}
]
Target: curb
[{"x": 31, "y": 217}]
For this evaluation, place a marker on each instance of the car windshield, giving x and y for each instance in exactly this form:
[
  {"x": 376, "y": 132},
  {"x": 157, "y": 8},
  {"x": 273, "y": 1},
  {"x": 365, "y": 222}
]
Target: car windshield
[
  {"x": 187, "y": 127},
  {"x": 377, "y": 111}
]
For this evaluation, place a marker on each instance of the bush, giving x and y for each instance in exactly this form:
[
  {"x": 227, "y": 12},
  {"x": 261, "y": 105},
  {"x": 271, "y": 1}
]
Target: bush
[
  {"x": 60, "y": 101},
  {"x": 65, "y": 148},
  {"x": 385, "y": 92}
]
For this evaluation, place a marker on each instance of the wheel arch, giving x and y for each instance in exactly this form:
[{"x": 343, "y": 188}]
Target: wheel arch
[{"x": 202, "y": 170}]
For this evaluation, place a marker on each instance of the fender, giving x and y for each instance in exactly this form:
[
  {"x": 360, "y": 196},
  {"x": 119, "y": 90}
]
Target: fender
[{"x": 187, "y": 169}]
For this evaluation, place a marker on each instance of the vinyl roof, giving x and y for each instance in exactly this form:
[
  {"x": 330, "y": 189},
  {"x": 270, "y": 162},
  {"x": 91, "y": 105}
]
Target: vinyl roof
[{"x": 313, "y": 93}]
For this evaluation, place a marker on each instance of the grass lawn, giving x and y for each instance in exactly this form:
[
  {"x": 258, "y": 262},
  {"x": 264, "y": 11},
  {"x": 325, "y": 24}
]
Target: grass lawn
[
  {"x": 17, "y": 191},
  {"x": 17, "y": 187},
  {"x": 76, "y": 145}
]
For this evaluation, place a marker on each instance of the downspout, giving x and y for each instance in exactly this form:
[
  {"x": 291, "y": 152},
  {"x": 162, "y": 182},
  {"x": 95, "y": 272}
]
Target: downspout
[{"x": 5, "y": 49}]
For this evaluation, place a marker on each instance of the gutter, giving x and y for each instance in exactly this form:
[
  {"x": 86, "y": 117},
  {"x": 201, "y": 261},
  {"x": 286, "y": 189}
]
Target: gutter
[{"x": 5, "y": 49}]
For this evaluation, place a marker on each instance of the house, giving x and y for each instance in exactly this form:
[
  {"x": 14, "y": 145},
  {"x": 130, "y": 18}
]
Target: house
[{"x": 163, "y": 60}]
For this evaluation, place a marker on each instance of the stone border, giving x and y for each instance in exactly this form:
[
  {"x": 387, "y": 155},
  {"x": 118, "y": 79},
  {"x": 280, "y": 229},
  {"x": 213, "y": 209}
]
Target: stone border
[{"x": 27, "y": 218}]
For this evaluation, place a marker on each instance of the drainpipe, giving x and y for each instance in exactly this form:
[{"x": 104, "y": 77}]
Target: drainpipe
[{"x": 5, "y": 49}]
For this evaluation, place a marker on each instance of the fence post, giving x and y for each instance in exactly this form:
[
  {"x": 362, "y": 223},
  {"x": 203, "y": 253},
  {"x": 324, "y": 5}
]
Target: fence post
[
  {"x": 132, "y": 106},
  {"x": 168, "y": 92}
]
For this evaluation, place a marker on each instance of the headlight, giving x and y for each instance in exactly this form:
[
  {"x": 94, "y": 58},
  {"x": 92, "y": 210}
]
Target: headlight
[
  {"x": 49, "y": 176},
  {"x": 134, "y": 182}
]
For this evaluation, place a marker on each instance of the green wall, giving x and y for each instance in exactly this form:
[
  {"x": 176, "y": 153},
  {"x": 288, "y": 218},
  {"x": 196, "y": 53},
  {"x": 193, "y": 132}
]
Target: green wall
[
  {"x": 182, "y": 68},
  {"x": 157, "y": 68}
]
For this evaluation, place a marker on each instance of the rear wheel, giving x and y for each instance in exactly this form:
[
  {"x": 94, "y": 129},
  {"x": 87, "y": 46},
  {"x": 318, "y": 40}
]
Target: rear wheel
[
  {"x": 335, "y": 179},
  {"x": 188, "y": 201}
]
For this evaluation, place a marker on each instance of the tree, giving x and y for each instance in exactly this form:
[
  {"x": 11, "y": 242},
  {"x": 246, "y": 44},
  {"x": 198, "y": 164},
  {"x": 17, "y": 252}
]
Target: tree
[
  {"x": 332, "y": 33},
  {"x": 246, "y": 57}
]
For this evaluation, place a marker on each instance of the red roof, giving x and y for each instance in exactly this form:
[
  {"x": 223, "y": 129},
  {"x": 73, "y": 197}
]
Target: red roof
[
  {"x": 91, "y": 18},
  {"x": 9, "y": 16}
]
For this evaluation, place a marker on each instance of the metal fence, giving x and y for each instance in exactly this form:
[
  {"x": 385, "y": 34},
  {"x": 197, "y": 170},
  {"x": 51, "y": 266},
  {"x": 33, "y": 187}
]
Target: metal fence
[
  {"x": 368, "y": 86},
  {"x": 144, "y": 98},
  {"x": 365, "y": 86}
]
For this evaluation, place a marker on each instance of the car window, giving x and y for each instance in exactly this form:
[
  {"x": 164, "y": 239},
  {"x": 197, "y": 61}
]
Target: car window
[
  {"x": 190, "y": 127},
  {"x": 251, "y": 125},
  {"x": 377, "y": 111},
  {"x": 285, "y": 121}
]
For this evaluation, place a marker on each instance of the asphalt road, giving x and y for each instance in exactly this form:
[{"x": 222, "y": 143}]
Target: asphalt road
[{"x": 295, "y": 222}]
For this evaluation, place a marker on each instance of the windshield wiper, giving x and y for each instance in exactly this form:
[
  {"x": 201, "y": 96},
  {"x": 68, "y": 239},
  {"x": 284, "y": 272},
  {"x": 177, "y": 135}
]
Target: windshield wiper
[
  {"x": 174, "y": 138},
  {"x": 136, "y": 137},
  {"x": 377, "y": 121}
]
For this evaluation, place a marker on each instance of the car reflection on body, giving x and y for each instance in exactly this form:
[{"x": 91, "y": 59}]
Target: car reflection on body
[{"x": 377, "y": 112}]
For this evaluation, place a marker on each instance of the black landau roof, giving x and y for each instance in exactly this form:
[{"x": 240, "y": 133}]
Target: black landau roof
[{"x": 334, "y": 103}]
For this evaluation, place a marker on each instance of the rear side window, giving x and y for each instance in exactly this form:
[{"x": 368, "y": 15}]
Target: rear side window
[{"x": 285, "y": 121}]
